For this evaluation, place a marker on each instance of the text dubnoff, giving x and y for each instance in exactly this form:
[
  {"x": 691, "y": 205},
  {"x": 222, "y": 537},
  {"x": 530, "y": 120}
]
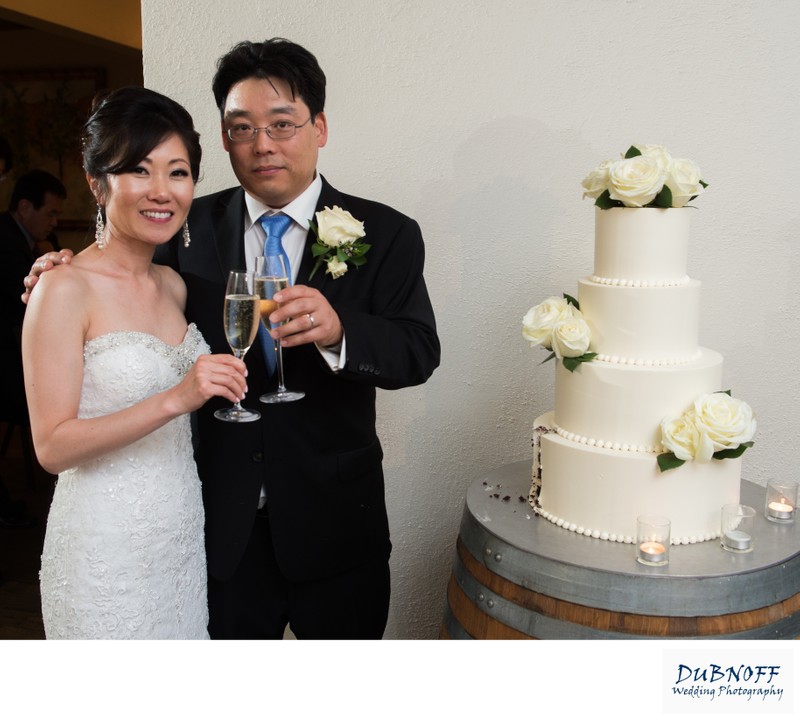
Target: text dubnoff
[
  {"x": 750, "y": 683},
  {"x": 715, "y": 681}
]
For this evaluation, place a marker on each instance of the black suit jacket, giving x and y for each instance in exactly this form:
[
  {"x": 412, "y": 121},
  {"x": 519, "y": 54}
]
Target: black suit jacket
[
  {"x": 16, "y": 259},
  {"x": 320, "y": 457}
]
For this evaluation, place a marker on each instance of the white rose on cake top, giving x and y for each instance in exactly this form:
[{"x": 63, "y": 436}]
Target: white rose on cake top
[
  {"x": 636, "y": 181},
  {"x": 596, "y": 182},
  {"x": 683, "y": 180},
  {"x": 647, "y": 176}
]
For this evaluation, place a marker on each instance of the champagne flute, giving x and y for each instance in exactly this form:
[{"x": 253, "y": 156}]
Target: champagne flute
[
  {"x": 271, "y": 277},
  {"x": 240, "y": 318}
]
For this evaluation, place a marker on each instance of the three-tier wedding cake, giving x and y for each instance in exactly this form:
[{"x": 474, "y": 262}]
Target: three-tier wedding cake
[{"x": 641, "y": 424}]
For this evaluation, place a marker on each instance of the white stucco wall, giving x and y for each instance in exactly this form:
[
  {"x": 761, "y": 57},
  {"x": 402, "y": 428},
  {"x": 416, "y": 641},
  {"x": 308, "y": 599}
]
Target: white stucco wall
[{"x": 480, "y": 120}]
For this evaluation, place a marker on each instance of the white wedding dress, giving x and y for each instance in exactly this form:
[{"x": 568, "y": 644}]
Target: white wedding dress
[{"x": 124, "y": 554}]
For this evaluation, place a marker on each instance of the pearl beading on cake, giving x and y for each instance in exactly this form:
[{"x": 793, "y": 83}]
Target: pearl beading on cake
[
  {"x": 625, "y": 283},
  {"x": 619, "y": 538},
  {"x": 610, "y": 445},
  {"x": 648, "y": 362}
]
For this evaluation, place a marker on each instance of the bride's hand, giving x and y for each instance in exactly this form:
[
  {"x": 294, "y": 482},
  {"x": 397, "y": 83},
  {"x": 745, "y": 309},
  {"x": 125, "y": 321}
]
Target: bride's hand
[
  {"x": 41, "y": 265},
  {"x": 212, "y": 375}
]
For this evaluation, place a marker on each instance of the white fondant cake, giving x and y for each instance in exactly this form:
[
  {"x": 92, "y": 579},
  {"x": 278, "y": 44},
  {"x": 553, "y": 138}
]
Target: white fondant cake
[{"x": 595, "y": 465}]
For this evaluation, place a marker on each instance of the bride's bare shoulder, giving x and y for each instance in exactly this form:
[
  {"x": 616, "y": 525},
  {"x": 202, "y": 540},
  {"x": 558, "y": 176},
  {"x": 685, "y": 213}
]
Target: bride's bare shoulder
[
  {"x": 71, "y": 277},
  {"x": 62, "y": 298}
]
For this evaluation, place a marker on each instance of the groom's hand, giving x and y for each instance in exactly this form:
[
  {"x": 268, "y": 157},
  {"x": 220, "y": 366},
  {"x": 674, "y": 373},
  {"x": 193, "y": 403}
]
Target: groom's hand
[
  {"x": 310, "y": 318},
  {"x": 41, "y": 265}
]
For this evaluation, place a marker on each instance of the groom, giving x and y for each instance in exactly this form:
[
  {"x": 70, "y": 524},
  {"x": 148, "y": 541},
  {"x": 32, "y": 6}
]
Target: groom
[{"x": 296, "y": 525}]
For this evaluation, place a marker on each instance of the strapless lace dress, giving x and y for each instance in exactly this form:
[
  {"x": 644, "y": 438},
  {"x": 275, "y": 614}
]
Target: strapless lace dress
[{"x": 124, "y": 554}]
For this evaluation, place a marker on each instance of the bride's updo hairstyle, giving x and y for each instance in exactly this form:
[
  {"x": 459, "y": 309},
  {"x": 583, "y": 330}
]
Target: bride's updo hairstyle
[{"x": 124, "y": 127}]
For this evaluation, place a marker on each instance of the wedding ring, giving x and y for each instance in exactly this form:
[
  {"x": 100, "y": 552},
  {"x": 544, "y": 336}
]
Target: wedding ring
[{"x": 311, "y": 318}]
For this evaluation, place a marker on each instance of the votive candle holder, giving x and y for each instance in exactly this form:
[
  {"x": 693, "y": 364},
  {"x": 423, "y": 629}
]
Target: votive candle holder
[
  {"x": 736, "y": 528},
  {"x": 652, "y": 540},
  {"x": 781, "y": 501}
]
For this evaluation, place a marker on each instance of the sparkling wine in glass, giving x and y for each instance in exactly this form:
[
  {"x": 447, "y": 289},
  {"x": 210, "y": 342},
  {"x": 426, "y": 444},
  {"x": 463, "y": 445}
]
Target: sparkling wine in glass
[
  {"x": 271, "y": 277},
  {"x": 240, "y": 318}
]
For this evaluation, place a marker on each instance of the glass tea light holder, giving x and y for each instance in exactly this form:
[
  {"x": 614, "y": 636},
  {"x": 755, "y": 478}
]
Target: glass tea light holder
[
  {"x": 736, "y": 528},
  {"x": 781, "y": 501},
  {"x": 652, "y": 540}
]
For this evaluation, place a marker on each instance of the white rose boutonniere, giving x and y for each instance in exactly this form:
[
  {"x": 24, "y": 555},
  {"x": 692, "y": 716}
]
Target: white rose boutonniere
[
  {"x": 557, "y": 325},
  {"x": 647, "y": 176},
  {"x": 338, "y": 241},
  {"x": 716, "y": 426}
]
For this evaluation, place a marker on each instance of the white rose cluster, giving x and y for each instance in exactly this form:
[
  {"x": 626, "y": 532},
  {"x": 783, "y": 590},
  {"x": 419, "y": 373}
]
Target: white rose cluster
[
  {"x": 636, "y": 181},
  {"x": 557, "y": 325},
  {"x": 716, "y": 422}
]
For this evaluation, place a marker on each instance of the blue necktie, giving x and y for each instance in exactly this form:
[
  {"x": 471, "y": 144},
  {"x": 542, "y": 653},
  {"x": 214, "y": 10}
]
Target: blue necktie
[{"x": 274, "y": 226}]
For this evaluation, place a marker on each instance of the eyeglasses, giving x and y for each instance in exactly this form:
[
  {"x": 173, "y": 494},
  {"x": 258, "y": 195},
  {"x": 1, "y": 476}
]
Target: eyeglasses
[{"x": 282, "y": 130}]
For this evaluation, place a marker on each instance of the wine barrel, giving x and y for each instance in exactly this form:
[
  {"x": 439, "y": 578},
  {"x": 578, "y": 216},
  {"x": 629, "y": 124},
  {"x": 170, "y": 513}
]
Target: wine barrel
[{"x": 518, "y": 576}]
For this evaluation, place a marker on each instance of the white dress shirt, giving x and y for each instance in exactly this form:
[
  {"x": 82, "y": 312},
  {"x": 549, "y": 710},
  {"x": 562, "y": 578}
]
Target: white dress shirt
[{"x": 300, "y": 210}]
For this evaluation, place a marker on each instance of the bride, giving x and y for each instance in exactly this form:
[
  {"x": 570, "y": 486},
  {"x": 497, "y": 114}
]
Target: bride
[{"x": 111, "y": 373}]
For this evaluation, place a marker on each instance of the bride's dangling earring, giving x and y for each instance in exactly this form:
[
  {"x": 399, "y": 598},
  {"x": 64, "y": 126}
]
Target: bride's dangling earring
[
  {"x": 186, "y": 239},
  {"x": 100, "y": 229}
]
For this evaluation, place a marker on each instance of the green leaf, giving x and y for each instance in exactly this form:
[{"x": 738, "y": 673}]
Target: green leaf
[
  {"x": 604, "y": 201},
  {"x": 358, "y": 261},
  {"x": 633, "y": 151},
  {"x": 667, "y": 461},
  {"x": 733, "y": 452},
  {"x": 319, "y": 249},
  {"x": 727, "y": 392},
  {"x": 572, "y": 363},
  {"x": 571, "y": 300},
  {"x": 704, "y": 184},
  {"x": 550, "y": 357},
  {"x": 663, "y": 199}
]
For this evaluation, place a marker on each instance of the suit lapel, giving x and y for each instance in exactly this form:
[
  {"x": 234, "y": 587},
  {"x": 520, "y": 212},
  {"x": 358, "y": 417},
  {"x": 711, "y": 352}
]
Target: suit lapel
[
  {"x": 228, "y": 229},
  {"x": 329, "y": 197}
]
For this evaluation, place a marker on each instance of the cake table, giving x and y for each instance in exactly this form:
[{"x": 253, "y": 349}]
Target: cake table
[{"x": 517, "y": 575}]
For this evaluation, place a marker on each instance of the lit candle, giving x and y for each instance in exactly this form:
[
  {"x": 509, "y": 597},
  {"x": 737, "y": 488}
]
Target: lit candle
[
  {"x": 737, "y": 540},
  {"x": 652, "y": 552},
  {"x": 780, "y": 509}
]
